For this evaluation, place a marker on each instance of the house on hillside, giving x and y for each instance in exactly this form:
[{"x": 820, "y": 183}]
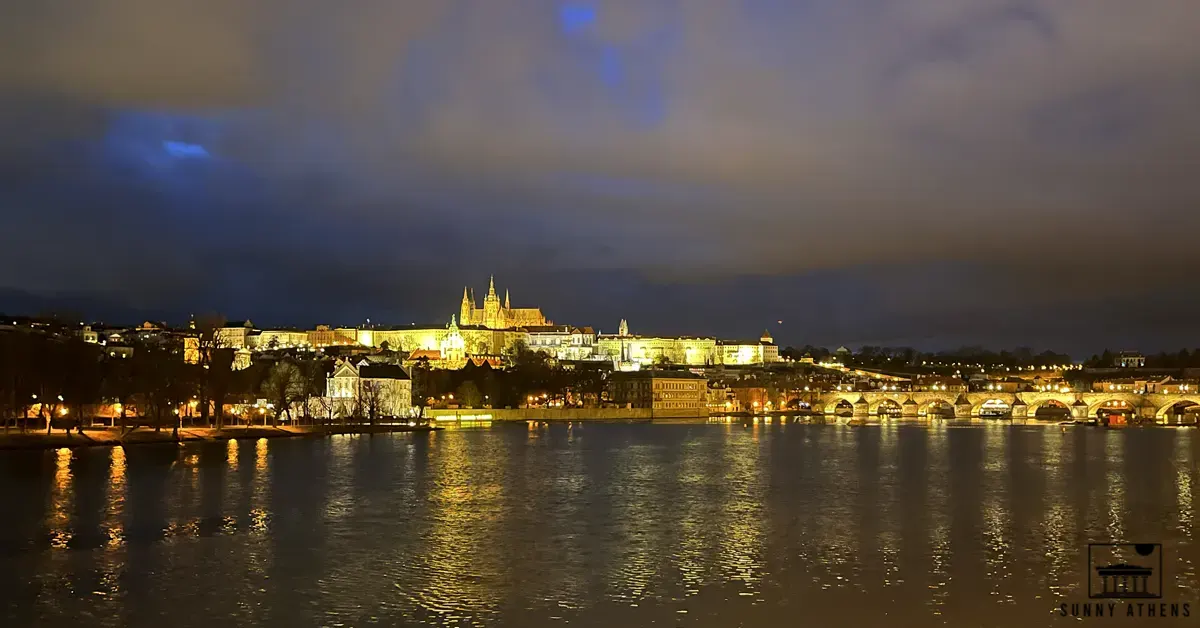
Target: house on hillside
[{"x": 364, "y": 388}]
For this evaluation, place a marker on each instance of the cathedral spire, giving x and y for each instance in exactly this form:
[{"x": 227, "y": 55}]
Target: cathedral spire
[
  {"x": 492, "y": 286},
  {"x": 506, "y": 306}
]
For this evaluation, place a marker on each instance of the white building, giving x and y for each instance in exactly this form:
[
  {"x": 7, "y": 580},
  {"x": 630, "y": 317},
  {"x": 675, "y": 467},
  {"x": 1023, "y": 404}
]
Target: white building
[
  {"x": 748, "y": 352},
  {"x": 359, "y": 387},
  {"x": 235, "y": 335},
  {"x": 277, "y": 339},
  {"x": 563, "y": 342}
]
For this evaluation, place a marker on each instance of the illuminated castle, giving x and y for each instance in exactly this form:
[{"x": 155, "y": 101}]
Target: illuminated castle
[{"x": 493, "y": 315}]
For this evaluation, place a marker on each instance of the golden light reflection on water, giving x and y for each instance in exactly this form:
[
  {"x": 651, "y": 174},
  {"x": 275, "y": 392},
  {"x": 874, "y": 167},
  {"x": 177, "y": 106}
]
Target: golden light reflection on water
[
  {"x": 1060, "y": 559},
  {"x": 693, "y": 534},
  {"x": 61, "y": 498},
  {"x": 996, "y": 516},
  {"x": 259, "y": 519},
  {"x": 636, "y": 504},
  {"x": 116, "y": 497},
  {"x": 1185, "y": 468},
  {"x": 1115, "y": 469},
  {"x": 502, "y": 530},
  {"x": 889, "y": 535},
  {"x": 938, "y": 504},
  {"x": 231, "y": 454},
  {"x": 260, "y": 455},
  {"x": 460, "y": 573},
  {"x": 740, "y": 551}
]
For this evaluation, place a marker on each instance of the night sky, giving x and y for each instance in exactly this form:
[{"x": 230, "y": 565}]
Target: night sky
[{"x": 918, "y": 172}]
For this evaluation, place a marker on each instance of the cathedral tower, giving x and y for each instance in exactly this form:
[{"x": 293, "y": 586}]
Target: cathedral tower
[
  {"x": 467, "y": 309},
  {"x": 491, "y": 307}
]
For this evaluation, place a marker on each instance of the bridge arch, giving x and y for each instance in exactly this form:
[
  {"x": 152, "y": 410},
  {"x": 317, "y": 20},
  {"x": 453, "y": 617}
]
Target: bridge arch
[
  {"x": 936, "y": 408},
  {"x": 1048, "y": 409},
  {"x": 840, "y": 406},
  {"x": 994, "y": 407},
  {"x": 1174, "y": 411},
  {"x": 886, "y": 407},
  {"x": 1116, "y": 404}
]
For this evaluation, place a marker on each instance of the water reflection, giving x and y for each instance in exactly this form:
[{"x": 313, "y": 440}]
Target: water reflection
[
  {"x": 691, "y": 524},
  {"x": 116, "y": 497},
  {"x": 60, "y": 500}
]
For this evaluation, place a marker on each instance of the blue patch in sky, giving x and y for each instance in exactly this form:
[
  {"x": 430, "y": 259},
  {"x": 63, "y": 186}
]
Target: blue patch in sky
[
  {"x": 610, "y": 67},
  {"x": 576, "y": 17},
  {"x": 184, "y": 150}
]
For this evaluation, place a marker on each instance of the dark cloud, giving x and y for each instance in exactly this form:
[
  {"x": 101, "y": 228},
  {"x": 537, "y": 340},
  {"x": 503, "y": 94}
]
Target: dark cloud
[{"x": 927, "y": 160}]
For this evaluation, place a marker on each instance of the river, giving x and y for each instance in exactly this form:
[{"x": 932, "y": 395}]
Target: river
[{"x": 594, "y": 525}]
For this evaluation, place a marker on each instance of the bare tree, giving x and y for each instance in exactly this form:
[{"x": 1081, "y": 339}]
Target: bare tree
[
  {"x": 375, "y": 397},
  {"x": 315, "y": 376},
  {"x": 327, "y": 406},
  {"x": 284, "y": 385},
  {"x": 213, "y": 359}
]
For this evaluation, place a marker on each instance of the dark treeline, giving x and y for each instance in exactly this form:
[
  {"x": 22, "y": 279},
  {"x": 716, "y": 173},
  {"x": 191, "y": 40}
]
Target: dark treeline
[
  {"x": 531, "y": 374},
  {"x": 60, "y": 381},
  {"x": 1181, "y": 359}
]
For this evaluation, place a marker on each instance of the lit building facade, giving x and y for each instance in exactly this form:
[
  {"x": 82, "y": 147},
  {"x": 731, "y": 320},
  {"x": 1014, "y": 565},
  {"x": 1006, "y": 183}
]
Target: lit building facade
[
  {"x": 748, "y": 352},
  {"x": 453, "y": 340},
  {"x": 278, "y": 339},
  {"x": 497, "y": 315},
  {"x": 351, "y": 382},
  {"x": 1129, "y": 360},
  {"x": 235, "y": 335},
  {"x": 660, "y": 390},
  {"x": 632, "y": 352},
  {"x": 562, "y": 342}
]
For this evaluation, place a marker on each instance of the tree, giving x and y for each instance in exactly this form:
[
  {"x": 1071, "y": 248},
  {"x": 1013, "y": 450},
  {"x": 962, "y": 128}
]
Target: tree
[
  {"x": 17, "y": 385},
  {"x": 315, "y": 376},
  {"x": 374, "y": 396},
  {"x": 662, "y": 361},
  {"x": 468, "y": 395},
  {"x": 422, "y": 384},
  {"x": 214, "y": 362},
  {"x": 284, "y": 385},
  {"x": 218, "y": 379},
  {"x": 327, "y": 406},
  {"x": 82, "y": 380},
  {"x": 120, "y": 385}
]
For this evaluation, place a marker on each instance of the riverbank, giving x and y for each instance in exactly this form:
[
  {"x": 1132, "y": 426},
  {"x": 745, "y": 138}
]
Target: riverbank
[
  {"x": 641, "y": 415},
  {"x": 111, "y": 437}
]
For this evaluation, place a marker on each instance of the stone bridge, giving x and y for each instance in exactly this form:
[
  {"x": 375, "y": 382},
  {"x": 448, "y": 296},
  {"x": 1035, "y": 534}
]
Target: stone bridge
[{"x": 1157, "y": 406}]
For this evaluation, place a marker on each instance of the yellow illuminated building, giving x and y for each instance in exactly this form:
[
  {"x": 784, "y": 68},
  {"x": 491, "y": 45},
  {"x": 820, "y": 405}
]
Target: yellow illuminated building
[
  {"x": 632, "y": 352},
  {"x": 452, "y": 344},
  {"x": 495, "y": 315},
  {"x": 749, "y": 352},
  {"x": 277, "y": 339},
  {"x": 660, "y": 390}
]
